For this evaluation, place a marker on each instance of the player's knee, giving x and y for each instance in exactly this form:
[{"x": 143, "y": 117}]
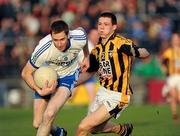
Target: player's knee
[
  {"x": 49, "y": 115},
  {"x": 84, "y": 127},
  {"x": 36, "y": 125},
  {"x": 81, "y": 128}
]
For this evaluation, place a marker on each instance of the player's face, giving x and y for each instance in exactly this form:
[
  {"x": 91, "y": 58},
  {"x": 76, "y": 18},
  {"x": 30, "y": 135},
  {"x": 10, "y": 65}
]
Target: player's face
[
  {"x": 175, "y": 41},
  {"x": 105, "y": 27},
  {"x": 60, "y": 40}
]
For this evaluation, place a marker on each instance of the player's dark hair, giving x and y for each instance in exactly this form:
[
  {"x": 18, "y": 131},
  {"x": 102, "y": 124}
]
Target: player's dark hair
[
  {"x": 109, "y": 15},
  {"x": 59, "y": 26}
]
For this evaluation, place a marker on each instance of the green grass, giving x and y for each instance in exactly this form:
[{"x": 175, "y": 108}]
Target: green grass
[{"x": 148, "y": 120}]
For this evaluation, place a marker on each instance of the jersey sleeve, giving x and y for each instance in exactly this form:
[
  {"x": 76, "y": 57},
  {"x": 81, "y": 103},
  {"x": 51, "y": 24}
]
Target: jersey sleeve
[
  {"x": 38, "y": 57},
  {"x": 166, "y": 54},
  {"x": 129, "y": 48},
  {"x": 79, "y": 37},
  {"x": 165, "y": 57},
  {"x": 94, "y": 63}
]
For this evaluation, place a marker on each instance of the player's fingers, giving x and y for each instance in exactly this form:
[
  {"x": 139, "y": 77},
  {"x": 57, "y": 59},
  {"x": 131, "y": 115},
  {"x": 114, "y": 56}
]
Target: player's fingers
[
  {"x": 53, "y": 86},
  {"x": 46, "y": 83},
  {"x": 84, "y": 68}
]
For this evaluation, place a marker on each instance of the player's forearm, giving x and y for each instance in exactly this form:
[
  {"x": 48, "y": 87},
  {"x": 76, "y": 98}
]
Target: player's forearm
[
  {"x": 28, "y": 78},
  {"x": 84, "y": 77},
  {"x": 143, "y": 53},
  {"x": 86, "y": 50}
]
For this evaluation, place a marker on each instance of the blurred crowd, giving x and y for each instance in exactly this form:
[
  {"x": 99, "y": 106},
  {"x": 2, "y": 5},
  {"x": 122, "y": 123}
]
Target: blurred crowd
[{"x": 150, "y": 23}]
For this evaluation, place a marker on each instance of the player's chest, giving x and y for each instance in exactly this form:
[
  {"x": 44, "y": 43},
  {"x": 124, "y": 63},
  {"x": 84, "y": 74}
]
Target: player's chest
[{"x": 63, "y": 58}]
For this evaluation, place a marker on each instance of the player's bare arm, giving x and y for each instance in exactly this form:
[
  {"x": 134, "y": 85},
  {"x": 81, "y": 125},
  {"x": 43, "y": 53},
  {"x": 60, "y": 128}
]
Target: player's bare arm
[
  {"x": 143, "y": 53},
  {"x": 133, "y": 50},
  {"x": 85, "y": 63},
  {"x": 86, "y": 50},
  {"x": 27, "y": 75},
  {"x": 84, "y": 77}
]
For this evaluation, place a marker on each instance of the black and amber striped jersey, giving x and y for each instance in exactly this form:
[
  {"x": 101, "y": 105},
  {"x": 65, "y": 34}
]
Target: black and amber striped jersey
[
  {"x": 171, "y": 59},
  {"x": 112, "y": 61}
]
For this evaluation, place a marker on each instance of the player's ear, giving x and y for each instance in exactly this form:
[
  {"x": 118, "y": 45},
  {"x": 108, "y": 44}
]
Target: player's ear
[
  {"x": 68, "y": 35},
  {"x": 114, "y": 27}
]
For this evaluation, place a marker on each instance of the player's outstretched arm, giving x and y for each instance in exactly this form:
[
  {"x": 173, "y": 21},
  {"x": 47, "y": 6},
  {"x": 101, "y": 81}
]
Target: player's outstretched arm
[
  {"x": 143, "y": 53},
  {"x": 133, "y": 50}
]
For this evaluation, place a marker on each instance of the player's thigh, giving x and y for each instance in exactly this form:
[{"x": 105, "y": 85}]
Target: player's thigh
[
  {"x": 39, "y": 108},
  {"x": 179, "y": 95},
  {"x": 91, "y": 87},
  {"x": 98, "y": 117},
  {"x": 58, "y": 99},
  {"x": 173, "y": 93}
]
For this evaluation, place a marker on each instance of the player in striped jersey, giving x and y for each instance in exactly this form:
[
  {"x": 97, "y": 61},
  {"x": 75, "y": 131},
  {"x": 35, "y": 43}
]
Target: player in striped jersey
[
  {"x": 171, "y": 66},
  {"x": 59, "y": 50},
  {"x": 111, "y": 59}
]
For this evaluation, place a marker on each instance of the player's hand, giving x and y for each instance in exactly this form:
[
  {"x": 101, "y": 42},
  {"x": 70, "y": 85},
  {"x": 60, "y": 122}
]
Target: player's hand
[
  {"x": 48, "y": 89},
  {"x": 84, "y": 64}
]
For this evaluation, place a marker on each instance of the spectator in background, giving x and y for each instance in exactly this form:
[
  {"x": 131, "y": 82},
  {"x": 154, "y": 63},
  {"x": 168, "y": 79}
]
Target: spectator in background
[
  {"x": 3, "y": 62},
  {"x": 171, "y": 66}
]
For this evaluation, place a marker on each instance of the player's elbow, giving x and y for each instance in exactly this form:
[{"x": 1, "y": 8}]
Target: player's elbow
[
  {"x": 144, "y": 53},
  {"x": 23, "y": 73}
]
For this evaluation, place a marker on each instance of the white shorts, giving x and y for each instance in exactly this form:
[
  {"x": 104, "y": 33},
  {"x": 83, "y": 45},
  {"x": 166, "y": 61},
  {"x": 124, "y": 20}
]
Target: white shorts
[
  {"x": 111, "y": 100},
  {"x": 174, "y": 81}
]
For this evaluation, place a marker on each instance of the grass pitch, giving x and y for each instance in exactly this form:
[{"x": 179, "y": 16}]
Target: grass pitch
[{"x": 148, "y": 120}]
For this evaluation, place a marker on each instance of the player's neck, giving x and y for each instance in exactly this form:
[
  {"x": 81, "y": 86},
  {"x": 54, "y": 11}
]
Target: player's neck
[
  {"x": 68, "y": 46},
  {"x": 104, "y": 40}
]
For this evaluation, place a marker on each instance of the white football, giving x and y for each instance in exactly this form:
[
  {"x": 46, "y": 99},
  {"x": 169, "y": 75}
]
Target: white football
[{"x": 43, "y": 74}]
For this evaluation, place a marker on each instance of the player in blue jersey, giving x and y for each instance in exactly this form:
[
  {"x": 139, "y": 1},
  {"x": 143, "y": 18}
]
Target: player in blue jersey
[{"x": 59, "y": 50}]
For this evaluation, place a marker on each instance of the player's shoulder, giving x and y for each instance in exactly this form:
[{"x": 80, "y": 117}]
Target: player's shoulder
[
  {"x": 168, "y": 52},
  {"x": 94, "y": 51},
  {"x": 78, "y": 34},
  {"x": 123, "y": 40},
  {"x": 43, "y": 44},
  {"x": 45, "y": 40}
]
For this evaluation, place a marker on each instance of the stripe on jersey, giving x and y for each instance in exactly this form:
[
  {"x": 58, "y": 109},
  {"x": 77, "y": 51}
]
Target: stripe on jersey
[
  {"x": 79, "y": 37},
  {"x": 40, "y": 51},
  {"x": 119, "y": 63},
  {"x": 42, "y": 48},
  {"x": 30, "y": 61}
]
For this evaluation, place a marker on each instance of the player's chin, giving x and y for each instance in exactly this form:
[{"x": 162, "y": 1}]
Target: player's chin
[{"x": 103, "y": 36}]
